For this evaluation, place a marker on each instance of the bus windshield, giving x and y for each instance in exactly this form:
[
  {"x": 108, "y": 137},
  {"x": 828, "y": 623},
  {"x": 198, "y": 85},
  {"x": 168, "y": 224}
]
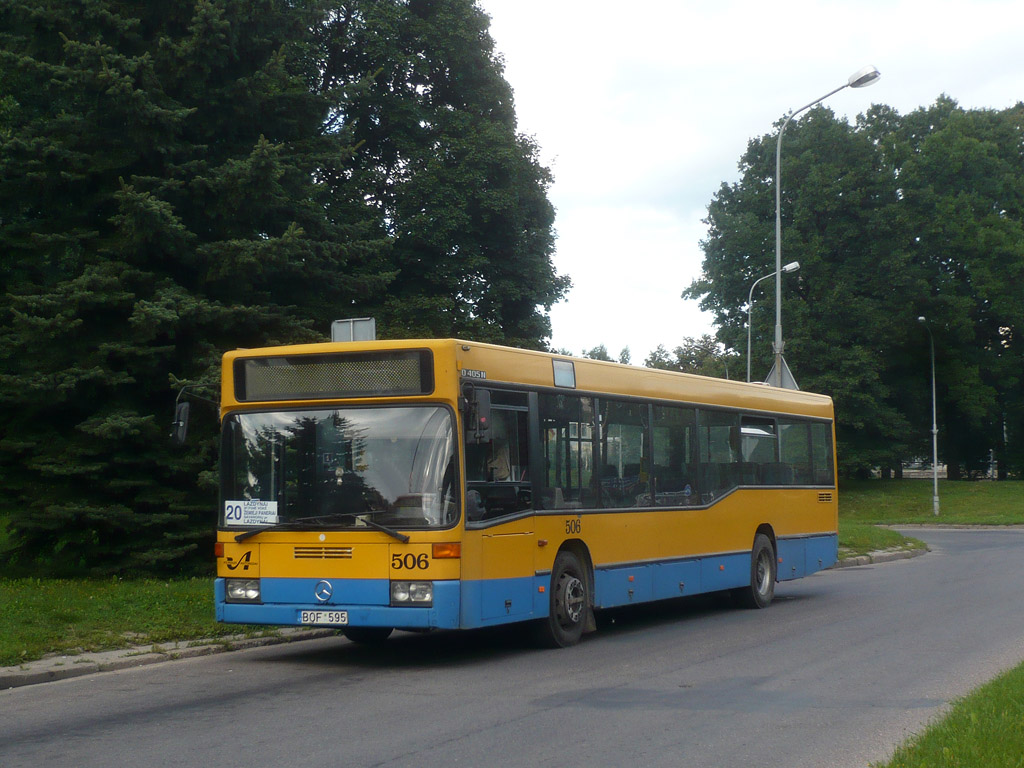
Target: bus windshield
[{"x": 346, "y": 467}]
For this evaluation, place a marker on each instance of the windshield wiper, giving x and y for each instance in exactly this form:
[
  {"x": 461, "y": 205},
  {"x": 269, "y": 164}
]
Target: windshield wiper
[
  {"x": 282, "y": 526},
  {"x": 367, "y": 518},
  {"x": 326, "y": 520}
]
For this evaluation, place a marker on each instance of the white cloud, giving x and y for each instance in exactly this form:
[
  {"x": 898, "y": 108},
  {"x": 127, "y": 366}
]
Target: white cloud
[{"x": 642, "y": 110}]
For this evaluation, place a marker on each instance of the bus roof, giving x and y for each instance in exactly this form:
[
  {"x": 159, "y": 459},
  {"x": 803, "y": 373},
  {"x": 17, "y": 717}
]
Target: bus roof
[{"x": 507, "y": 365}]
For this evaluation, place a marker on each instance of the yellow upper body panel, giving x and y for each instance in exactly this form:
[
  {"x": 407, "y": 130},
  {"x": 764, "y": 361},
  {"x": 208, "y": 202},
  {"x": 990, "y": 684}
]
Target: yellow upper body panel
[
  {"x": 518, "y": 546},
  {"x": 495, "y": 364}
]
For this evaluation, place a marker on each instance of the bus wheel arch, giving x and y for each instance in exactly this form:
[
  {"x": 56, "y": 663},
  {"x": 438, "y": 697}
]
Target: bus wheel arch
[
  {"x": 763, "y": 571},
  {"x": 570, "y": 597},
  {"x": 582, "y": 553},
  {"x": 766, "y": 530}
]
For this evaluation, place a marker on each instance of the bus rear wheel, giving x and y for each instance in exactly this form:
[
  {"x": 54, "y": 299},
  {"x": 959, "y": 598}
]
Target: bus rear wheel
[
  {"x": 569, "y": 603},
  {"x": 367, "y": 635},
  {"x": 762, "y": 576}
]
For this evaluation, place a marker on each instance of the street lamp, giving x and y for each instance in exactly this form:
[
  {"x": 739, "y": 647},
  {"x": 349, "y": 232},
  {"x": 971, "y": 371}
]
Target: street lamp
[
  {"x": 793, "y": 266},
  {"x": 935, "y": 425},
  {"x": 859, "y": 79}
]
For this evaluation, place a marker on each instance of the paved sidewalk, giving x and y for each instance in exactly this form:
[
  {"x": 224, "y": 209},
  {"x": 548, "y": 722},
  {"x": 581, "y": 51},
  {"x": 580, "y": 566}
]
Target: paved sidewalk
[{"x": 62, "y": 667}]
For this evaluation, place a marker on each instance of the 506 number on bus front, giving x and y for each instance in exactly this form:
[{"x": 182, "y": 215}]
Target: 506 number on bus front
[{"x": 410, "y": 561}]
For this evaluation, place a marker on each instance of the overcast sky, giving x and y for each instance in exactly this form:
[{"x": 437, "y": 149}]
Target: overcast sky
[{"x": 643, "y": 109}]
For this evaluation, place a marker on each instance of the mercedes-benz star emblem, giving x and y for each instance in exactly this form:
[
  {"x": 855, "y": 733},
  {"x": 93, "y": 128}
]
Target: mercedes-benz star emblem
[{"x": 323, "y": 591}]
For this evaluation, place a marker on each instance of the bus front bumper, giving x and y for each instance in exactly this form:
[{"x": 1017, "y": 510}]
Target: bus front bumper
[{"x": 364, "y": 603}]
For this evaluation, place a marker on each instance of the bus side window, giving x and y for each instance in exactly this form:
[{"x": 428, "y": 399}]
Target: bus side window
[
  {"x": 821, "y": 454},
  {"x": 497, "y": 471},
  {"x": 625, "y": 475},
  {"x": 567, "y": 440},
  {"x": 759, "y": 442},
  {"x": 795, "y": 450},
  {"x": 510, "y": 459},
  {"x": 674, "y": 457},
  {"x": 719, "y": 453}
]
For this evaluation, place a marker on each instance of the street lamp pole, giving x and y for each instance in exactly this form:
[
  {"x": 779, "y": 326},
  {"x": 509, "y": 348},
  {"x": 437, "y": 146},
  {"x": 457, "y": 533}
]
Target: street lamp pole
[
  {"x": 935, "y": 425},
  {"x": 793, "y": 266},
  {"x": 858, "y": 79}
]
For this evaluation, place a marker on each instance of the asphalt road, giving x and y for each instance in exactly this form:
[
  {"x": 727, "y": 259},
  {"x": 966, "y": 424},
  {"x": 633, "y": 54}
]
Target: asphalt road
[{"x": 842, "y": 667}]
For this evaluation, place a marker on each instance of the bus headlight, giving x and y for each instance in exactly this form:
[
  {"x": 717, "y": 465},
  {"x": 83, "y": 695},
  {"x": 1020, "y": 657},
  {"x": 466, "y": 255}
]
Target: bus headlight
[
  {"x": 419, "y": 593},
  {"x": 242, "y": 590}
]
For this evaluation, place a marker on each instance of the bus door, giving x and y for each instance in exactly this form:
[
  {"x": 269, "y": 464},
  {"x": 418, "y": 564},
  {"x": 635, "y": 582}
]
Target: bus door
[{"x": 500, "y": 543}]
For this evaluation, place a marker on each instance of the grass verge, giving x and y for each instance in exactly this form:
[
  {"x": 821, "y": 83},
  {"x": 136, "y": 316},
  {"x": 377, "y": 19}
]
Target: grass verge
[
  {"x": 909, "y": 502},
  {"x": 42, "y": 616},
  {"x": 866, "y": 504},
  {"x": 856, "y": 538},
  {"x": 985, "y": 728}
]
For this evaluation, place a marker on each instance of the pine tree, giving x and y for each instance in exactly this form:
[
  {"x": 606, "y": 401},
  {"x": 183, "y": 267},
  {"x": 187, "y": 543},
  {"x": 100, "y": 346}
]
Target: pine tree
[
  {"x": 185, "y": 177},
  {"x": 162, "y": 199}
]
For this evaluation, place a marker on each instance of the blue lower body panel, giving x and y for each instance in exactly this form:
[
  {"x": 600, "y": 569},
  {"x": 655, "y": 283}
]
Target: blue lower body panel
[
  {"x": 804, "y": 555},
  {"x": 502, "y": 601},
  {"x": 365, "y": 601},
  {"x": 482, "y": 603},
  {"x": 623, "y": 585},
  {"x": 638, "y": 583},
  {"x": 491, "y": 602}
]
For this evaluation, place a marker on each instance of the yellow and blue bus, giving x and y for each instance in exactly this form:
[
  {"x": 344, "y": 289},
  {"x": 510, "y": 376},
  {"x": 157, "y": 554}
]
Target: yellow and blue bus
[{"x": 444, "y": 484}]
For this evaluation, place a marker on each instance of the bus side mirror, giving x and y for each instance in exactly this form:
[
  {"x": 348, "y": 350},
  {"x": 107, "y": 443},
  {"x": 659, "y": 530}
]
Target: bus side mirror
[
  {"x": 179, "y": 428},
  {"x": 478, "y": 415}
]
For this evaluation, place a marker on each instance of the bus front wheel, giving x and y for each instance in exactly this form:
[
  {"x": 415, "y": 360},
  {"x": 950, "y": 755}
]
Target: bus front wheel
[
  {"x": 569, "y": 602},
  {"x": 762, "y": 575}
]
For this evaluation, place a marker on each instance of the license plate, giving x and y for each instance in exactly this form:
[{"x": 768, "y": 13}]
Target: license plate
[{"x": 328, "y": 618}]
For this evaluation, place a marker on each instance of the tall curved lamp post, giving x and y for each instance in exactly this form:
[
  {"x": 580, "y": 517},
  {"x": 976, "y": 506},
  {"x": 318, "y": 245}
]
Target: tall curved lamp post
[
  {"x": 859, "y": 79},
  {"x": 793, "y": 266},
  {"x": 935, "y": 424}
]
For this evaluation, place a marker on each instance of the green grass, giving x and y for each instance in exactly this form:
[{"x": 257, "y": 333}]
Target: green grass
[
  {"x": 910, "y": 502},
  {"x": 866, "y": 504},
  {"x": 42, "y": 616},
  {"x": 857, "y": 538},
  {"x": 986, "y": 728}
]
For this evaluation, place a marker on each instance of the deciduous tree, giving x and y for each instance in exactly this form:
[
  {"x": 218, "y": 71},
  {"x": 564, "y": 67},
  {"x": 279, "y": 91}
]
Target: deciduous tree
[
  {"x": 704, "y": 356},
  {"x": 459, "y": 190},
  {"x": 891, "y": 218}
]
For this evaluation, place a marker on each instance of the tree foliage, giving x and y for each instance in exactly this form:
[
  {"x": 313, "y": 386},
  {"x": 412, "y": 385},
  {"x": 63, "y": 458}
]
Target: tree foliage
[
  {"x": 891, "y": 218},
  {"x": 441, "y": 164},
  {"x": 600, "y": 352},
  {"x": 703, "y": 356},
  {"x": 181, "y": 178}
]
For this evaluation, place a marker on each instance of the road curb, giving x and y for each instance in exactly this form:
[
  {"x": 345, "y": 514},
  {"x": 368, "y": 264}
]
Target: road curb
[
  {"x": 881, "y": 556},
  {"x": 64, "y": 667}
]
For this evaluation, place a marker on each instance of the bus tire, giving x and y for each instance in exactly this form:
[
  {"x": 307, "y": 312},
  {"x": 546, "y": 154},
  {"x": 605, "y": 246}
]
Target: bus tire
[
  {"x": 367, "y": 635},
  {"x": 568, "y": 603},
  {"x": 762, "y": 576}
]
